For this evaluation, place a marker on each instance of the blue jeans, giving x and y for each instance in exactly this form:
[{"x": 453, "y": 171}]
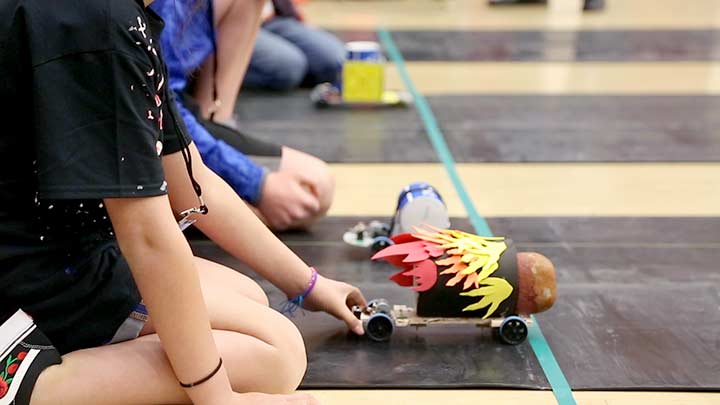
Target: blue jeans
[{"x": 289, "y": 53}]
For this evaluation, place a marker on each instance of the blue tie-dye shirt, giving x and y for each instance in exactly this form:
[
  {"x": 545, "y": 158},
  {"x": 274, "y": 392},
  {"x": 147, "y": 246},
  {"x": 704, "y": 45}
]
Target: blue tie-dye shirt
[{"x": 187, "y": 41}]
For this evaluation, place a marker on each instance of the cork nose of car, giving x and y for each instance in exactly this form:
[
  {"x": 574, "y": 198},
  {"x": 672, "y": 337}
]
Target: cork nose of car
[{"x": 537, "y": 284}]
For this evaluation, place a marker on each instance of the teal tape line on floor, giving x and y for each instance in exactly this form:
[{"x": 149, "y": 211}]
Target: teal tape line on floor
[
  {"x": 550, "y": 366},
  {"x": 433, "y": 130}
]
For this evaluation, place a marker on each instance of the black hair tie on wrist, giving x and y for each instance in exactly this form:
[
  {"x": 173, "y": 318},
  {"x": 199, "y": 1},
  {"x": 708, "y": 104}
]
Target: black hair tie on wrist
[{"x": 204, "y": 380}]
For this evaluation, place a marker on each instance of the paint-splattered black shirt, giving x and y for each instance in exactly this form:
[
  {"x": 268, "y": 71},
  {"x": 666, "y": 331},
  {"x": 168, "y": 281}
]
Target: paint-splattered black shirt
[{"x": 86, "y": 115}]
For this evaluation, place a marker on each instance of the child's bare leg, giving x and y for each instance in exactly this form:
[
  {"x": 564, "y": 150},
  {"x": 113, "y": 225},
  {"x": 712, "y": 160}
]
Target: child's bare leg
[
  {"x": 237, "y": 23},
  {"x": 261, "y": 349},
  {"x": 225, "y": 292},
  {"x": 212, "y": 274},
  {"x": 137, "y": 372}
]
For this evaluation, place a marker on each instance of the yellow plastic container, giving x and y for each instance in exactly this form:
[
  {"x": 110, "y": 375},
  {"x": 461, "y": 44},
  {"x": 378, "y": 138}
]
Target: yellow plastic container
[{"x": 363, "y": 77}]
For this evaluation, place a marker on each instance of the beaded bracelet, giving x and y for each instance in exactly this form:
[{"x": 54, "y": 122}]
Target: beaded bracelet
[
  {"x": 203, "y": 380},
  {"x": 294, "y": 303}
]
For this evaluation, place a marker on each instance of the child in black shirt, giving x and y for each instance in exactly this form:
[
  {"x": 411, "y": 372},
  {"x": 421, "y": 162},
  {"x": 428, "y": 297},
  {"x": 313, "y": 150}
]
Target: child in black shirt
[{"x": 95, "y": 171}]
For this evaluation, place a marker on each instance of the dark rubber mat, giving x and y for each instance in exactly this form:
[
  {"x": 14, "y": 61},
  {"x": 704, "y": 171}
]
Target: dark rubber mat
[
  {"x": 637, "y": 310},
  {"x": 497, "y": 128},
  {"x": 561, "y": 46},
  {"x": 337, "y": 135},
  {"x": 457, "y": 356}
]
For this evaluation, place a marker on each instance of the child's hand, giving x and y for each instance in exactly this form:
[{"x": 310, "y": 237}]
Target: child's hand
[
  {"x": 336, "y": 299},
  {"x": 286, "y": 201}
]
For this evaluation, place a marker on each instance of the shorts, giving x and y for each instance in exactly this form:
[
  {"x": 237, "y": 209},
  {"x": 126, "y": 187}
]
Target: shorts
[
  {"x": 133, "y": 325},
  {"x": 78, "y": 298},
  {"x": 24, "y": 353}
]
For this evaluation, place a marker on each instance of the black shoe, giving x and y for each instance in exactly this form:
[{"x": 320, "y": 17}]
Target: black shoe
[
  {"x": 594, "y": 5},
  {"x": 24, "y": 353}
]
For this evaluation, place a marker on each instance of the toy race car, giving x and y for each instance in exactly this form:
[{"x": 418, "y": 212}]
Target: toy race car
[
  {"x": 463, "y": 278},
  {"x": 327, "y": 95},
  {"x": 588, "y": 5},
  {"x": 418, "y": 203},
  {"x": 380, "y": 320},
  {"x": 375, "y": 235}
]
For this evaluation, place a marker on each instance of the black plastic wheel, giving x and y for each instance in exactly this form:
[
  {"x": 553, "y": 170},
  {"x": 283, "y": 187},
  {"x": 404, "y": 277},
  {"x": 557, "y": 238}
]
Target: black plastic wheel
[
  {"x": 380, "y": 305},
  {"x": 379, "y": 327},
  {"x": 380, "y": 243},
  {"x": 513, "y": 330},
  {"x": 319, "y": 95}
]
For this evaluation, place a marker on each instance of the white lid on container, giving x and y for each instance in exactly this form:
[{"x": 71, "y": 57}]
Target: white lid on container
[{"x": 362, "y": 46}]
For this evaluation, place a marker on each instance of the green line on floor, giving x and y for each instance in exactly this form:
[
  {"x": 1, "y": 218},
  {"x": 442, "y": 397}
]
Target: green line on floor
[
  {"x": 433, "y": 130},
  {"x": 550, "y": 366}
]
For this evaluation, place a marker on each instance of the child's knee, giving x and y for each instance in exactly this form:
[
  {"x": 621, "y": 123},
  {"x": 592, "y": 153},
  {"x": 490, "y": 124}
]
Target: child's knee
[
  {"x": 291, "y": 361},
  {"x": 288, "y": 73},
  {"x": 293, "y": 373},
  {"x": 257, "y": 294}
]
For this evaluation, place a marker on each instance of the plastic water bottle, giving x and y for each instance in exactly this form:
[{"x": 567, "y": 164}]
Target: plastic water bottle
[{"x": 419, "y": 204}]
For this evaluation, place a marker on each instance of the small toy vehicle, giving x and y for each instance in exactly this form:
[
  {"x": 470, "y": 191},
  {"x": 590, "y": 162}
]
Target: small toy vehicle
[
  {"x": 375, "y": 235},
  {"x": 418, "y": 203},
  {"x": 461, "y": 278},
  {"x": 326, "y": 95},
  {"x": 380, "y": 320},
  {"x": 360, "y": 81},
  {"x": 588, "y": 5}
]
